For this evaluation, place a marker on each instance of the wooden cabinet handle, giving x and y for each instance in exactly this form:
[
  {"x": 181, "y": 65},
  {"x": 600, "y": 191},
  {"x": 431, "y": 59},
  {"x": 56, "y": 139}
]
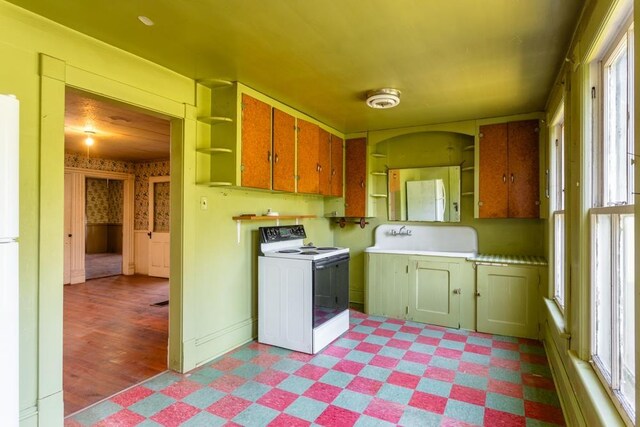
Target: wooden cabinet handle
[{"x": 275, "y": 158}]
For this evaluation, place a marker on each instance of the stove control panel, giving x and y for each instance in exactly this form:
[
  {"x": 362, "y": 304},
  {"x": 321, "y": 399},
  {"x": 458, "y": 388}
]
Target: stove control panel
[{"x": 281, "y": 233}]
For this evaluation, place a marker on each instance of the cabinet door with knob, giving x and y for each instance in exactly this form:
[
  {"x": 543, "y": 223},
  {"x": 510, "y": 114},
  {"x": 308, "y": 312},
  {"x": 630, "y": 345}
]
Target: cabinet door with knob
[
  {"x": 356, "y": 177},
  {"x": 337, "y": 157},
  {"x": 507, "y": 300},
  {"x": 508, "y": 170},
  {"x": 324, "y": 162},
  {"x": 434, "y": 293},
  {"x": 308, "y": 157},
  {"x": 284, "y": 146},
  {"x": 256, "y": 143}
]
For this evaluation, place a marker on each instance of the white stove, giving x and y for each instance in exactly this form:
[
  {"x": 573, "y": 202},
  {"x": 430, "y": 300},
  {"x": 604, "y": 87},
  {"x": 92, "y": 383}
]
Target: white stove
[{"x": 303, "y": 290}]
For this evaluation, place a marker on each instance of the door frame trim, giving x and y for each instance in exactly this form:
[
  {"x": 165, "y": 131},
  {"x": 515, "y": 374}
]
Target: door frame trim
[{"x": 78, "y": 217}]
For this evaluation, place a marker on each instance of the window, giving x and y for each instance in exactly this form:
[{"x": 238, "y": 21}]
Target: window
[
  {"x": 612, "y": 228},
  {"x": 557, "y": 203}
]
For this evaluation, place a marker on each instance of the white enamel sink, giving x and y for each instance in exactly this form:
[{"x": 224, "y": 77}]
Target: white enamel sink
[{"x": 446, "y": 240}]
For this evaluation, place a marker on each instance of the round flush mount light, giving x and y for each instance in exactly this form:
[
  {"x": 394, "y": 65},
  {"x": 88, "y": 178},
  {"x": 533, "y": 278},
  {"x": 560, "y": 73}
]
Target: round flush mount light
[
  {"x": 145, "y": 20},
  {"x": 383, "y": 98}
]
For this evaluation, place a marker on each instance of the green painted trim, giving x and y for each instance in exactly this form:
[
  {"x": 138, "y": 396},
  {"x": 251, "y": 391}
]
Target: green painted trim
[
  {"x": 52, "y": 67},
  {"x": 50, "y": 264},
  {"x": 51, "y": 411}
]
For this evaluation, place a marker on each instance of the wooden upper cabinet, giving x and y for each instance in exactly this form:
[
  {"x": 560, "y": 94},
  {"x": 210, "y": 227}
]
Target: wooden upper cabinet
[
  {"x": 284, "y": 146},
  {"x": 508, "y": 170},
  {"x": 356, "y": 177},
  {"x": 337, "y": 158},
  {"x": 308, "y": 157},
  {"x": 324, "y": 162},
  {"x": 256, "y": 143},
  {"x": 524, "y": 188},
  {"x": 493, "y": 188}
]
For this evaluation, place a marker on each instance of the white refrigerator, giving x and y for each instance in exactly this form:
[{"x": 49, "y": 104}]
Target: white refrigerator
[{"x": 9, "y": 211}]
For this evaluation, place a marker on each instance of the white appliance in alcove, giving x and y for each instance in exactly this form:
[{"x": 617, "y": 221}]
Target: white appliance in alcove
[{"x": 9, "y": 284}]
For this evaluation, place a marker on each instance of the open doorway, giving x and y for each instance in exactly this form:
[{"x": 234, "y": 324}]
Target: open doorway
[{"x": 115, "y": 313}]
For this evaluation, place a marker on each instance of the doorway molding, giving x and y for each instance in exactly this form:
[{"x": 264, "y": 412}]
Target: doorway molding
[
  {"x": 78, "y": 216},
  {"x": 55, "y": 76}
]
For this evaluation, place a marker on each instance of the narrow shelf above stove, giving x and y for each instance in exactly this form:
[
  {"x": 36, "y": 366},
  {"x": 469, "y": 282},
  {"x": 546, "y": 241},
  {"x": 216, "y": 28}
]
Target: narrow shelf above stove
[{"x": 250, "y": 217}]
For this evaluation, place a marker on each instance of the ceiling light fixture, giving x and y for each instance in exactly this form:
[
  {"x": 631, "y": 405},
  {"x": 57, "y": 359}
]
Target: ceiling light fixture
[
  {"x": 383, "y": 98},
  {"x": 88, "y": 141},
  {"x": 145, "y": 20}
]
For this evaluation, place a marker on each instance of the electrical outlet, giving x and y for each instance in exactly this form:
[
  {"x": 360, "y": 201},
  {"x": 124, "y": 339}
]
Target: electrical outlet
[{"x": 204, "y": 203}]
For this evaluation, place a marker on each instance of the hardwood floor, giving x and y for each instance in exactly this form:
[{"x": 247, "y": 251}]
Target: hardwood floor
[
  {"x": 102, "y": 265},
  {"x": 113, "y": 336}
]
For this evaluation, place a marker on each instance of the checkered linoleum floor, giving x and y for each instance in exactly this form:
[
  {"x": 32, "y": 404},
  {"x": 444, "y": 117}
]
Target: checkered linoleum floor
[{"x": 382, "y": 372}]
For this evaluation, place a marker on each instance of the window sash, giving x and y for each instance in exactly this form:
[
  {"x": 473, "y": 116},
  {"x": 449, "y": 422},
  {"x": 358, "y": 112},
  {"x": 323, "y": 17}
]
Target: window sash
[{"x": 559, "y": 272}]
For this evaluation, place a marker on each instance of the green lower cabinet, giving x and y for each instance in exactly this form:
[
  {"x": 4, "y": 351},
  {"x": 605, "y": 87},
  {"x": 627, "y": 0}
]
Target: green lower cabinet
[
  {"x": 507, "y": 300},
  {"x": 434, "y": 293},
  {"x": 386, "y": 285}
]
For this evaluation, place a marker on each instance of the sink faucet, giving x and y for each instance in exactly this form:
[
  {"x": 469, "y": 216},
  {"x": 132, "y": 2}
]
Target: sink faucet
[{"x": 403, "y": 231}]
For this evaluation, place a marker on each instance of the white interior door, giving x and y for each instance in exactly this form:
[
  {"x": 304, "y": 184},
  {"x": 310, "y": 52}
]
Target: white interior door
[
  {"x": 159, "y": 237},
  {"x": 68, "y": 195}
]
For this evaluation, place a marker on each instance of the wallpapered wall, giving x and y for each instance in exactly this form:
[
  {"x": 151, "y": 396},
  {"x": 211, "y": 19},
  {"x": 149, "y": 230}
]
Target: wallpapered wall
[
  {"x": 142, "y": 172},
  {"x": 104, "y": 201}
]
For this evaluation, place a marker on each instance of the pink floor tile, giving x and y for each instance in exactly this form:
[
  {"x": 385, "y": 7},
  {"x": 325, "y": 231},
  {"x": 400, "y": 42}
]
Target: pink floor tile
[
  {"x": 357, "y": 336},
  {"x": 174, "y": 415},
  {"x": 368, "y": 347},
  {"x": 448, "y": 353},
  {"x": 336, "y": 351},
  {"x": 451, "y": 422},
  {"x": 384, "y": 362},
  {"x": 543, "y": 412},
  {"x": 348, "y": 366},
  {"x": 478, "y": 349},
  {"x": 124, "y": 418},
  {"x": 534, "y": 358},
  {"x": 404, "y": 380},
  {"x": 286, "y": 420},
  {"x": 365, "y": 386},
  {"x": 401, "y": 344},
  {"x": 413, "y": 356},
  {"x": 323, "y": 392},
  {"x": 277, "y": 399},
  {"x": 396, "y": 321},
  {"x": 311, "y": 372},
  {"x": 428, "y": 340},
  {"x": 505, "y": 387},
  {"x": 538, "y": 381},
  {"x": 468, "y": 394},
  {"x": 504, "y": 345},
  {"x": 227, "y": 364},
  {"x": 131, "y": 396},
  {"x": 513, "y": 365},
  {"x": 437, "y": 373},
  {"x": 473, "y": 368},
  {"x": 455, "y": 337},
  {"x": 229, "y": 406},
  {"x": 227, "y": 383},
  {"x": 181, "y": 389},
  {"x": 410, "y": 330},
  {"x": 334, "y": 416},
  {"x": 265, "y": 359},
  {"x": 496, "y": 418},
  {"x": 384, "y": 332},
  {"x": 384, "y": 410},
  {"x": 270, "y": 377},
  {"x": 302, "y": 357},
  {"x": 372, "y": 323},
  {"x": 428, "y": 402}
]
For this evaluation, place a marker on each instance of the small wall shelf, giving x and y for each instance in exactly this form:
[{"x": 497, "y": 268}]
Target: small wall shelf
[
  {"x": 214, "y": 120},
  {"x": 211, "y": 83},
  {"x": 378, "y": 195},
  {"x": 469, "y": 148},
  {"x": 238, "y": 219},
  {"x": 379, "y": 155},
  {"x": 379, "y": 173},
  {"x": 468, "y": 169},
  {"x": 214, "y": 150},
  {"x": 215, "y": 184},
  {"x": 467, "y": 193}
]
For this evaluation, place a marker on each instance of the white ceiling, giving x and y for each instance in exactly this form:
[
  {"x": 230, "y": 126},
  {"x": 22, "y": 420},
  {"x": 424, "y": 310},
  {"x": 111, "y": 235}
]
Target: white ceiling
[{"x": 452, "y": 59}]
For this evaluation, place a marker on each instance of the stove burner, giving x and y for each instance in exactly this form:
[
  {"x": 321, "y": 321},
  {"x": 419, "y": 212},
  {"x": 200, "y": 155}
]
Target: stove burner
[
  {"x": 328, "y": 248},
  {"x": 309, "y": 253},
  {"x": 307, "y": 247},
  {"x": 288, "y": 251}
]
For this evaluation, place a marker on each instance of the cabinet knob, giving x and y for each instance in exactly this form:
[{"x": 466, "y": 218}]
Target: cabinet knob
[
  {"x": 275, "y": 158},
  {"x": 512, "y": 178},
  {"x": 362, "y": 183},
  {"x": 269, "y": 156},
  {"x": 477, "y": 294},
  {"x": 504, "y": 178}
]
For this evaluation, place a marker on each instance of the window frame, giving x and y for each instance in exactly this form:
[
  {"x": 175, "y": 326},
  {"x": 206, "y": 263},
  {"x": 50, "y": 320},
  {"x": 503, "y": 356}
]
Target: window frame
[{"x": 557, "y": 203}]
